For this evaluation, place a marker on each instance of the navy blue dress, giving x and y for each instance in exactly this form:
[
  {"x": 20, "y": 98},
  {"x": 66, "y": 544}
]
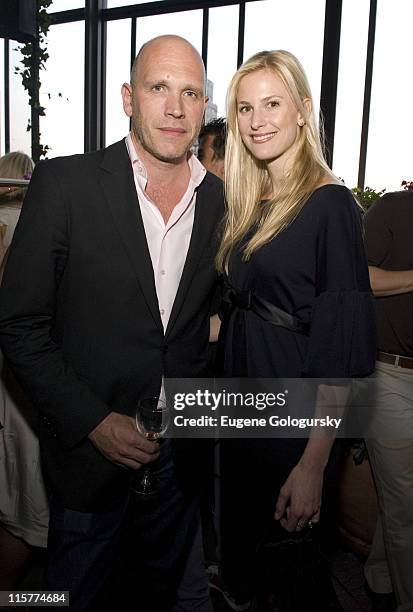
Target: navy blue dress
[{"x": 315, "y": 270}]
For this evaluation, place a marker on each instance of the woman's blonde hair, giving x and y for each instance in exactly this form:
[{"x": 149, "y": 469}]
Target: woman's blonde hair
[
  {"x": 247, "y": 179},
  {"x": 16, "y": 165}
]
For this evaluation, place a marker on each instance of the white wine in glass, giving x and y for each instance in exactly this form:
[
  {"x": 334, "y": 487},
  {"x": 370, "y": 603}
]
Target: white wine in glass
[{"x": 152, "y": 420}]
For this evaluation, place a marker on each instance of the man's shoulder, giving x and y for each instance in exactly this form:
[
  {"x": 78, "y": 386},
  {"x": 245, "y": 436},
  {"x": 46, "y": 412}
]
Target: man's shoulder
[
  {"x": 213, "y": 187},
  {"x": 393, "y": 199},
  {"x": 84, "y": 162},
  {"x": 403, "y": 198}
]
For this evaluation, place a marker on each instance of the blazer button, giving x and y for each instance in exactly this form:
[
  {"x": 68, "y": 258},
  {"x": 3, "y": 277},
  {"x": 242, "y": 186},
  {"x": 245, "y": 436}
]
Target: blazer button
[{"x": 165, "y": 349}]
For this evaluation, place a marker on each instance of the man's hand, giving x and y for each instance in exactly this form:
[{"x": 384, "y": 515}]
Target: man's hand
[{"x": 118, "y": 440}]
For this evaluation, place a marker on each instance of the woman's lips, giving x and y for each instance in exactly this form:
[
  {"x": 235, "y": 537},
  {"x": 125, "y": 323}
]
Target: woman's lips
[{"x": 258, "y": 138}]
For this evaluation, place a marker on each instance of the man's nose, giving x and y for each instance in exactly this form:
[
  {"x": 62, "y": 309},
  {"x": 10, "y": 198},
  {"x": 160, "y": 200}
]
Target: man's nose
[{"x": 174, "y": 106}]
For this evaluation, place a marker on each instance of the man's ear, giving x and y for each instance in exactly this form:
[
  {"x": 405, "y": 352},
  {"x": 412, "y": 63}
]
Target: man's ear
[{"x": 127, "y": 99}]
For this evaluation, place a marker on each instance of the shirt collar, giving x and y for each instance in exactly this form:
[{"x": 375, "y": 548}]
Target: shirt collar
[{"x": 197, "y": 170}]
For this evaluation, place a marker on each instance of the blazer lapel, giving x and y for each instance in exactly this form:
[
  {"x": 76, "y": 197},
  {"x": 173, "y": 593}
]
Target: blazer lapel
[
  {"x": 116, "y": 178},
  {"x": 204, "y": 223}
]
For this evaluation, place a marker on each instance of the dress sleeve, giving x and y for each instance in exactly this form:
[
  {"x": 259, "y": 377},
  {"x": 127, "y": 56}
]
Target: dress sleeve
[{"x": 342, "y": 340}]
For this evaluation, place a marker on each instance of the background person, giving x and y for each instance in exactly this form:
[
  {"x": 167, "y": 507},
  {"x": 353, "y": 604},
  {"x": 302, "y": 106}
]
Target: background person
[
  {"x": 114, "y": 253},
  {"x": 293, "y": 241},
  {"x": 15, "y": 165},
  {"x": 211, "y": 146},
  {"x": 389, "y": 239},
  {"x": 24, "y": 512}
]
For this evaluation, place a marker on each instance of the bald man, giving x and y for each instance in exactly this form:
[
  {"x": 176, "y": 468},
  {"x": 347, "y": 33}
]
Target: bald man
[{"x": 107, "y": 291}]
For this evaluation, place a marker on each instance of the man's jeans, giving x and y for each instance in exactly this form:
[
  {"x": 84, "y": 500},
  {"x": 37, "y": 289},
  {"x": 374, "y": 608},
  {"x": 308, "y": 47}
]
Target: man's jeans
[{"x": 147, "y": 553}]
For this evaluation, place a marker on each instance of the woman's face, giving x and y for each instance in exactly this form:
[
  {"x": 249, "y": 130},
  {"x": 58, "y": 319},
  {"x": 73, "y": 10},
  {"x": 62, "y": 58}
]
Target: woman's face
[{"x": 267, "y": 117}]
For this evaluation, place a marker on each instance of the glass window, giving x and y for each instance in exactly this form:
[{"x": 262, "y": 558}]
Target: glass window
[
  {"x": 117, "y": 72},
  {"x": 113, "y": 3},
  {"x": 2, "y": 142},
  {"x": 62, "y": 90},
  {"x": 350, "y": 90},
  {"x": 389, "y": 152},
  {"x": 65, "y": 5},
  {"x": 296, "y": 26},
  {"x": 20, "y": 138},
  {"x": 222, "y": 43},
  {"x": 187, "y": 24}
]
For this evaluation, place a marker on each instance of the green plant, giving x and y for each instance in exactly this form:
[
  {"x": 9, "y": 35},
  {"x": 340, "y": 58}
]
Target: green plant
[
  {"x": 367, "y": 196},
  {"x": 34, "y": 57}
]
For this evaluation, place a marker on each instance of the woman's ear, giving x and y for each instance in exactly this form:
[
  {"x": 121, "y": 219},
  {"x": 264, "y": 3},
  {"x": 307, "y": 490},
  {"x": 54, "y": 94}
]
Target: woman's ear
[{"x": 308, "y": 108}]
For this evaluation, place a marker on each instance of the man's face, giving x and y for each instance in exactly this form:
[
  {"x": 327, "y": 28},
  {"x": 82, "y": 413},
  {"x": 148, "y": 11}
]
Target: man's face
[
  {"x": 167, "y": 101},
  {"x": 207, "y": 157}
]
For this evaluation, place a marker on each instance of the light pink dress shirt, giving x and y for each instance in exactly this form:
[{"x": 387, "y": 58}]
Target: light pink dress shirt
[{"x": 168, "y": 243}]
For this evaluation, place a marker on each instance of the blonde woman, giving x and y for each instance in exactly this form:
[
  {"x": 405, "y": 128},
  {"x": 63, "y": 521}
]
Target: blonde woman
[
  {"x": 24, "y": 511},
  {"x": 15, "y": 165},
  {"x": 300, "y": 306}
]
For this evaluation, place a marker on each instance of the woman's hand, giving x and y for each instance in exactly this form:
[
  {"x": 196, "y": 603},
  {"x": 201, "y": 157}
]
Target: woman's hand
[
  {"x": 299, "y": 500},
  {"x": 214, "y": 327}
]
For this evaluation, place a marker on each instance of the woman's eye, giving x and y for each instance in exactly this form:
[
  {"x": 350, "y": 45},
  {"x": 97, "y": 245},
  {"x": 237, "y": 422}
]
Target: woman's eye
[
  {"x": 244, "y": 109},
  {"x": 273, "y": 104}
]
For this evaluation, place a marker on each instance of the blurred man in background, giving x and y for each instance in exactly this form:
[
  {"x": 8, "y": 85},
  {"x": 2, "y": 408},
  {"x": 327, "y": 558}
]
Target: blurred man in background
[
  {"x": 389, "y": 243},
  {"x": 211, "y": 147}
]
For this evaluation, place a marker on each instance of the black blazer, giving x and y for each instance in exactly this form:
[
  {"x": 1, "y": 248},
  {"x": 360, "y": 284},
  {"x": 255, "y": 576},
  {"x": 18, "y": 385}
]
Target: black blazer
[{"x": 79, "y": 316}]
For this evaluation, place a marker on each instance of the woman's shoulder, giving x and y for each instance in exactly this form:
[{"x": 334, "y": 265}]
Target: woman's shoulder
[
  {"x": 326, "y": 190},
  {"x": 333, "y": 198}
]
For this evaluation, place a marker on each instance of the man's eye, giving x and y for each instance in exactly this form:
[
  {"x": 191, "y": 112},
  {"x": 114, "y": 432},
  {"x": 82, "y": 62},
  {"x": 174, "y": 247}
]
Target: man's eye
[
  {"x": 157, "y": 88},
  {"x": 191, "y": 94}
]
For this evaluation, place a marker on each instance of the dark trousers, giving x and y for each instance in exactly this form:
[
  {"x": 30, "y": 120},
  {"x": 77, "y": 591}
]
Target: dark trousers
[
  {"x": 82, "y": 549},
  {"x": 145, "y": 556}
]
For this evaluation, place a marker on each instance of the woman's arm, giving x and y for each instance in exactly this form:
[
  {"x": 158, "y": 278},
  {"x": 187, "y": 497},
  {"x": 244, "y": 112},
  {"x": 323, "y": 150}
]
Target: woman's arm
[
  {"x": 214, "y": 327},
  {"x": 299, "y": 500}
]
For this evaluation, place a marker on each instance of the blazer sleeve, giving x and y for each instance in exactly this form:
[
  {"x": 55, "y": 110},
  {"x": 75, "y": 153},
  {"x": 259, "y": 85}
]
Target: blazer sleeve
[{"x": 28, "y": 294}]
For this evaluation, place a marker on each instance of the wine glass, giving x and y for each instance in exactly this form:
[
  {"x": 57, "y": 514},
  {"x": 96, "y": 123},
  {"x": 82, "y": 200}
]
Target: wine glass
[{"x": 152, "y": 420}]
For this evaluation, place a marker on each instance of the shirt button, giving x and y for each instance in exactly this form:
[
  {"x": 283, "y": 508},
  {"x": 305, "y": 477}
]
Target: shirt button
[
  {"x": 162, "y": 311},
  {"x": 163, "y": 272}
]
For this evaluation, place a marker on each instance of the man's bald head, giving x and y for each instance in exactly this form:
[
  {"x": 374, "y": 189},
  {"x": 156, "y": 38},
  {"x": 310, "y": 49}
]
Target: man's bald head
[
  {"x": 166, "y": 43},
  {"x": 166, "y": 99}
]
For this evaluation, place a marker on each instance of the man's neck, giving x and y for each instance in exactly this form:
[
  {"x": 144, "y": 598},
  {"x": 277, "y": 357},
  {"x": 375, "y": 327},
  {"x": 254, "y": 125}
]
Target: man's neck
[
  {"x": 161, "y": 171},
  {"x": 167, "y": 182}
]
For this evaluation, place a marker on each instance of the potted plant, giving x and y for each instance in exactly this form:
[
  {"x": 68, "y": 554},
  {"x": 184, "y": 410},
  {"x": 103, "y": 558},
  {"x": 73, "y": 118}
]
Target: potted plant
[
  {"x": 34, "y": 57},
  {"x": 367, "y": 196}
]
